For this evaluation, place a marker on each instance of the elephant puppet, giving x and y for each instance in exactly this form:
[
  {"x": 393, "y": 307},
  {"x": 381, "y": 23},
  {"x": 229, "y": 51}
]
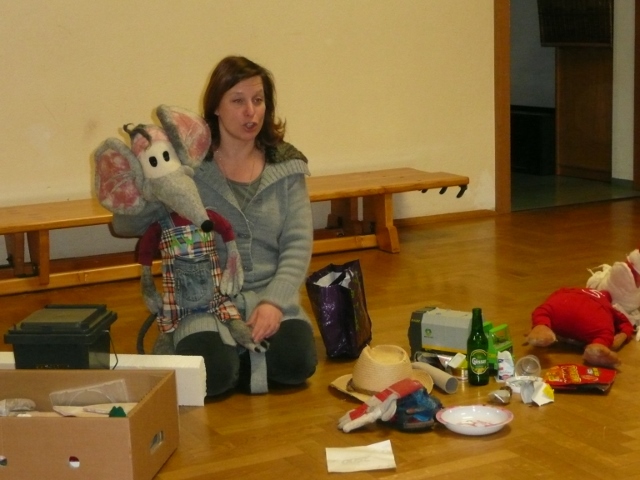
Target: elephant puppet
[{"x": 159, "y": 167}]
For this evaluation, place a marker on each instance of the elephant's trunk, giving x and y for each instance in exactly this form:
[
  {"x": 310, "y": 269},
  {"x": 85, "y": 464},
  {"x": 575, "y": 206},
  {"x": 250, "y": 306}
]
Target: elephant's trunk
[{"x": 179, "y": 193}]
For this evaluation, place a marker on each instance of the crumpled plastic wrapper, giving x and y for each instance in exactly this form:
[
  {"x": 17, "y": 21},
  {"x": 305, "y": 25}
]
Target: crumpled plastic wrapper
[
  {"x": 516, "y": 383},
  {"x": 14, "y": 406},
  {"x": 506, "y": 367},
  {"x": 532, "y": 390},
  {"x": 502, "y": 396},
  {"x": 542, "y": 393}
]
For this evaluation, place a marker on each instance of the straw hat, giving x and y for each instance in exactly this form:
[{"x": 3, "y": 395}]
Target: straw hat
[{"x": 378, "y": 368}]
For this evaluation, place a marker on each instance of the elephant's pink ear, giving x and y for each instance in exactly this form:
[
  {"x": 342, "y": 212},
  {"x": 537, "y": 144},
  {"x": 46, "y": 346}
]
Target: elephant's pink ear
[
  {"x": 118, "y": 178},
  {"x": 188, "y": 133}
]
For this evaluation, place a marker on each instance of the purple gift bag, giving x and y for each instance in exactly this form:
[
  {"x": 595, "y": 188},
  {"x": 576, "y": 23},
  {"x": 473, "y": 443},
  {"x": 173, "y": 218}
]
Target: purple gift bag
[{"x": 338, "y": 302}]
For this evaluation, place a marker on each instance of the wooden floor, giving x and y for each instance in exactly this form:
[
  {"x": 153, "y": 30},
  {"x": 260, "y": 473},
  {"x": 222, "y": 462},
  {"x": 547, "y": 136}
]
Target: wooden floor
[{"x": 506, "y": 265}]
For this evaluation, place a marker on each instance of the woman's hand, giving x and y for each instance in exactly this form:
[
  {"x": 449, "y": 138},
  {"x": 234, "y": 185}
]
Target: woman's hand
[{"x": 264, "y": 321}]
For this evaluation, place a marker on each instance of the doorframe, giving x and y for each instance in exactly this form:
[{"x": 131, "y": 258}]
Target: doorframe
[
  {"x": 502, "y": 99},
  {"x": 636, "y": 102}
]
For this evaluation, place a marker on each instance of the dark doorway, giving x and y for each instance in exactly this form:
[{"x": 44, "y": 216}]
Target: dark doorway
[{"x": 537, "y": 179}]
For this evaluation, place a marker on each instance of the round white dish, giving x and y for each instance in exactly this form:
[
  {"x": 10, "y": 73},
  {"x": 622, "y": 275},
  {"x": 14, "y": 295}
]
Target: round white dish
[{"x": 474, "y": 419}]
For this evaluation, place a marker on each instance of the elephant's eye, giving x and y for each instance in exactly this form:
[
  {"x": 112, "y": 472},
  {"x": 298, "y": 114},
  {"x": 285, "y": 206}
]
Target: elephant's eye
[
  {"x": 153, "y": 161},
  {"x": 166, "y": 156}
]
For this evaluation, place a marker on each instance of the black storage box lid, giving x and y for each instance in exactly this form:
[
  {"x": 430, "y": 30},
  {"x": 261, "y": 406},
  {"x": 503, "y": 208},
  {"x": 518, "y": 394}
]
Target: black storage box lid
[{"x": 62, "y": 324}]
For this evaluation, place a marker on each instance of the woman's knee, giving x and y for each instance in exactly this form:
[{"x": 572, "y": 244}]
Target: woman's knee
[
  {"x": 220, "y": 360},
  {"x": 292, "y": 357}
]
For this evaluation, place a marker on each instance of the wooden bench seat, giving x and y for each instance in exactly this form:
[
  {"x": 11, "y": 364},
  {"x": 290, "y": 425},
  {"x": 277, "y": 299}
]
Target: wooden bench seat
[
  {"x": 346, "y": 228},
  {"x": 35, "y": 222}
]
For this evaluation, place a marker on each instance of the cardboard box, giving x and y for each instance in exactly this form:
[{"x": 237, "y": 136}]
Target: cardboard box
[
  {"x": 436, "y": 329},
  {"x": 191, "y": 375},
  {"x": 124, "y": 448},
  {"x": 433, "y": 329}
]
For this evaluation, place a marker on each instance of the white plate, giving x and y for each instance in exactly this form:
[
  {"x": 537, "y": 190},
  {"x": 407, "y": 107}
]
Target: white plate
[{"x": 474, "y": 419}]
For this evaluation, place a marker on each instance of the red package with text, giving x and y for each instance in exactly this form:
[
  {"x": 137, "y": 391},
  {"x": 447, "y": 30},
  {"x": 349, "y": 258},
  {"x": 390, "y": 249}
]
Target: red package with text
[{"x": 580, "y": 378}]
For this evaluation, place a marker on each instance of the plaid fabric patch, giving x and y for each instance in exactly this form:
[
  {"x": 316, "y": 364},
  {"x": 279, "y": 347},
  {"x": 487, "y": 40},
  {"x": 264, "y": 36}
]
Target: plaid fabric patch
[{"x": 190, "y": 241}]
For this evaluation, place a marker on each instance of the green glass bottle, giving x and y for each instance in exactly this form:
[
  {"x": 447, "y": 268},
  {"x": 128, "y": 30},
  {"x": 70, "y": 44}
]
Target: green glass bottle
[{"x": 477, "y": 351}]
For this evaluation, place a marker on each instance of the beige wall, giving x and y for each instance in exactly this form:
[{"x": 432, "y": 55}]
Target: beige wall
[{"x": 363, "y": 84}]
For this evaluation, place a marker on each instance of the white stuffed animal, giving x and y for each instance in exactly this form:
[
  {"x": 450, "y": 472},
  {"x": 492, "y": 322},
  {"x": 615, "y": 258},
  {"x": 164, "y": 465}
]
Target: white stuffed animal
[{"x": 622, "y": 281}]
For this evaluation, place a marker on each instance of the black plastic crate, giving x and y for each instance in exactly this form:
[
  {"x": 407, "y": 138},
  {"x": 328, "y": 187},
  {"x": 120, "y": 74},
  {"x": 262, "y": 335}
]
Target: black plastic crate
[{"x": 63, "y": 337}]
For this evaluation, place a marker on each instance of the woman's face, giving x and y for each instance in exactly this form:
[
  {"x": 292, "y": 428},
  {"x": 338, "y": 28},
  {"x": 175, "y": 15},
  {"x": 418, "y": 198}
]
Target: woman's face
[{"x": 241, "y": 110}]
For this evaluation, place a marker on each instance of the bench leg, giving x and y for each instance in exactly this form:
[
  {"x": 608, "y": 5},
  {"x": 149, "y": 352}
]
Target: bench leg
[
  {"x": 344, "y": 215},
  {"x": 378, "y": 210},
  {"x": 39, "y": 251},
  {"x": 15, "y": 253}
]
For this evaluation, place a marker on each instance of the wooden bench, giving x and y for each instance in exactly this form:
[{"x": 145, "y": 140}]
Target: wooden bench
[{"x": 346, "y": 228}]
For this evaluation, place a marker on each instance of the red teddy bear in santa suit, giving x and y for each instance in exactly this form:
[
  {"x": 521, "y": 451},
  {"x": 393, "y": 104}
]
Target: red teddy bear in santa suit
[{"x": 584, "y": 315}]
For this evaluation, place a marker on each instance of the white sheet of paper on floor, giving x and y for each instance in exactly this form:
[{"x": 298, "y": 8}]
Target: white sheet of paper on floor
[{"x": 377, "y": 456}]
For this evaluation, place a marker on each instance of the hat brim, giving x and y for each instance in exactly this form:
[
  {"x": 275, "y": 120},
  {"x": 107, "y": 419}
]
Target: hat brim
[{"x": 343, "y": 384}]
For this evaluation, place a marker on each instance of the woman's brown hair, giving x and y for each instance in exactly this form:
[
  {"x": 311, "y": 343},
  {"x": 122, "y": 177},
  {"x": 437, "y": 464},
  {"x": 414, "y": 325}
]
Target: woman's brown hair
[{"x": 229, "y": 72}]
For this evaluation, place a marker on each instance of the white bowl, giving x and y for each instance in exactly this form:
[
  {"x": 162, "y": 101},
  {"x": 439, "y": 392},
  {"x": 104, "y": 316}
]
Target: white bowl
[{"x": 474, "y": 419}]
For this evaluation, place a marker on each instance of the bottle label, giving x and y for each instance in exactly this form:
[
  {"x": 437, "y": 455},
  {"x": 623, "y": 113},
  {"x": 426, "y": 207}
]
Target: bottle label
[{"x": 479, "y": 361}]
